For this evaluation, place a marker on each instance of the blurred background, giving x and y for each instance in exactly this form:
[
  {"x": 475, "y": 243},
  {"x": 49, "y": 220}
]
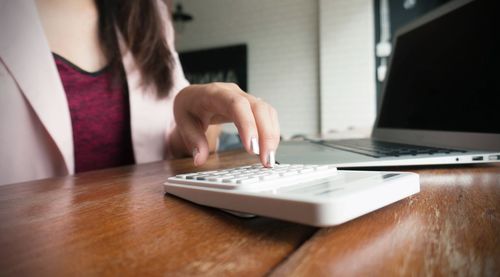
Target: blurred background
[{"x": 320, "y": 63}]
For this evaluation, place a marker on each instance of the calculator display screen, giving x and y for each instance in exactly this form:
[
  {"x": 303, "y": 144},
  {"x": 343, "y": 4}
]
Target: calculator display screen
[{"x": 332, "y": 186}]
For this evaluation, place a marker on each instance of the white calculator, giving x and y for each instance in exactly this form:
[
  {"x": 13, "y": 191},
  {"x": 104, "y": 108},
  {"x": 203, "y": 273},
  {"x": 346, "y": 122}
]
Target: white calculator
[{"x": 318, "y": 195}]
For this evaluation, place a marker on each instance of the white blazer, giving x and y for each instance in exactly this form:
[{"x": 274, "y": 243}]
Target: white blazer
[{"x": 35, "y": 126}]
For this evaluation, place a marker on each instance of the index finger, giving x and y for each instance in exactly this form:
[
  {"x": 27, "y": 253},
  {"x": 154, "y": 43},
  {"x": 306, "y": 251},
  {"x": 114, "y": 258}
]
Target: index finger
[{"x": 269, "y": 132}]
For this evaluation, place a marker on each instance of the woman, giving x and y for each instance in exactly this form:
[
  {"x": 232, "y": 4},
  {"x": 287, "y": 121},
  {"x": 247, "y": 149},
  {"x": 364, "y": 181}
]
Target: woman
[{"x": 91, "y": 84}]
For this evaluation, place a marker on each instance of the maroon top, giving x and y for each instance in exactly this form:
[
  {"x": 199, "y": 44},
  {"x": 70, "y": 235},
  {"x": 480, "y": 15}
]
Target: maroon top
[{"x": 100, "y": 117}]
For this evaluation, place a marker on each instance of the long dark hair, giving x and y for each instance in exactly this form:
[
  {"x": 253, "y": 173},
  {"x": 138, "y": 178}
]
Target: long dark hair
[{"x": 140, "y": 25}]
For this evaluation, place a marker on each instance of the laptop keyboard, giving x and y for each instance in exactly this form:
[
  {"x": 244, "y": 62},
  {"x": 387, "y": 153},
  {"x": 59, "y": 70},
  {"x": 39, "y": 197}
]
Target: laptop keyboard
[{"x": 380, "y": 149}]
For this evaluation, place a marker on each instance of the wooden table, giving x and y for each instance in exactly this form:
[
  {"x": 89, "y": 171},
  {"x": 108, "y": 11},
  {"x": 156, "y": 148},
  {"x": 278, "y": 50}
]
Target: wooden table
[{"x": 119, "y": 222}]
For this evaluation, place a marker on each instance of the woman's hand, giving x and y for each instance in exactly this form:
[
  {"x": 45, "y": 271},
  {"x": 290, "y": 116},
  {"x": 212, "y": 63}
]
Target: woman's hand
[{"x": 197, "y": 107}]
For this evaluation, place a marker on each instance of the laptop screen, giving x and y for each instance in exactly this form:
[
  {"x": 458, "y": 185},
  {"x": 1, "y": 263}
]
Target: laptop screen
[{"x": 445, "y": 74}]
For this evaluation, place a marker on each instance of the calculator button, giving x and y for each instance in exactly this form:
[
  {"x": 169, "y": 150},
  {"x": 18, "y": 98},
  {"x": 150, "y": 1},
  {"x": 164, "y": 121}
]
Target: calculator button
[
  {"x": 202, "y": 177},
  {"x": 185, "y": 176},
  {"x": 223, "y": 172},
  {"x": 247, "y": 180},
  {"x": 289, "y": 173},
  {"x": 215, "y": 179},
  {"x": 269, "y": 177}
]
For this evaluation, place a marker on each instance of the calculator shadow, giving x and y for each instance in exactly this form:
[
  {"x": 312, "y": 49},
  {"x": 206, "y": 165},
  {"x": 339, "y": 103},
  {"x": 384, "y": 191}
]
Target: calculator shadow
[{"x": 253, "y": 225}]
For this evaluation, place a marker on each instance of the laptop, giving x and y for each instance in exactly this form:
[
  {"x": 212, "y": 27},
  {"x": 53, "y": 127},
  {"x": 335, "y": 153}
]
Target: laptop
[{"x": 440, "y": 101}]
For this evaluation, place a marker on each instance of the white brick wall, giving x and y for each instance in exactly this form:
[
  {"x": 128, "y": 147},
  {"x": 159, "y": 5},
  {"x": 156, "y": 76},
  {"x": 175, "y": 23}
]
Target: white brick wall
[
  {"x": 284, "y": 47},
  {"x": 347, "y": 65}
]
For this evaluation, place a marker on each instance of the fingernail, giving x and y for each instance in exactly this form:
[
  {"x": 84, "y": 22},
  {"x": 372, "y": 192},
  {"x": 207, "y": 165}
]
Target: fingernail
[
  {"x": 254, "y": 145},
  {"x": 196, "y": 153},
  {"x": 270, "y": 159}
]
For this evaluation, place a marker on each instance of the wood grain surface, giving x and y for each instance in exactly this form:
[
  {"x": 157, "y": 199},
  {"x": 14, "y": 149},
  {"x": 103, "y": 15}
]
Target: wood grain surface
[
  {"x": 119, "y": 222},
  {"x": 451, "y": 228}
]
